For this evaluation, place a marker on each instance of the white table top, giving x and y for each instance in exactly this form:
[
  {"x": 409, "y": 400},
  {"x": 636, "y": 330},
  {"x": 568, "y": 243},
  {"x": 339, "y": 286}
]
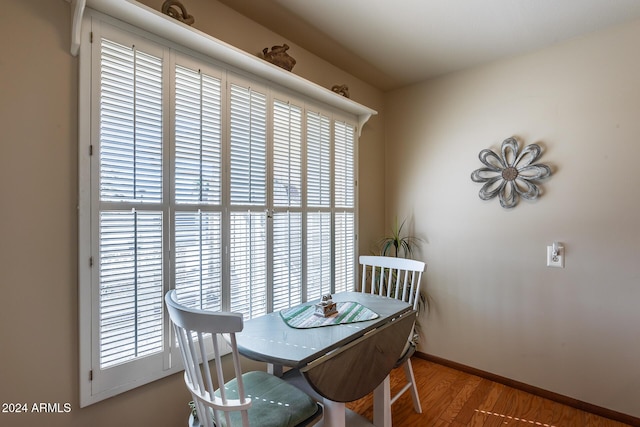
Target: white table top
[{"x": 269, "y": 339}]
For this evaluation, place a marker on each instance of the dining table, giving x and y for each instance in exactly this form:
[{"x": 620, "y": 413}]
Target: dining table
[{"x": 340, "y": 358}]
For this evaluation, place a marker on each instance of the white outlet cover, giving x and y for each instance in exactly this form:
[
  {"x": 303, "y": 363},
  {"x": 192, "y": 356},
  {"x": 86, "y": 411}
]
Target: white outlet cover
[{"x": 559, "y": 262}]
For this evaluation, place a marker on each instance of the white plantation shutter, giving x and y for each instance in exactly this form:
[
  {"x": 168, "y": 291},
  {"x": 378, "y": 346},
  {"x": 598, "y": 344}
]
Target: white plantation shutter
[
  {"x": 287, "y": 197},
  {"x": 237, "y": 194},
  {"x": 198, "y": 264},
  {"x": 344, "y": 143},
  {"x": 318, "y": 160},
  {"x": 345, "y": 251},
  {"x": 130, "y": 125},
  {"x": 248, "y": 139},
  {"x": 130, "y": 285},
  {"x": 248, "y": 198},
  {"x": 198, "y": 191},
  {"x": 130, "y": 230},
  {"x": 248, "y": 263},
  {"x": 287, "y": 259},
  {"x": 319, "y": 238},
  {"x": 344, "y": 219},
  {"x": 198, "y": 130},
  {"x": 287, "y": 154},
  {"x": 319, "y": 254}
]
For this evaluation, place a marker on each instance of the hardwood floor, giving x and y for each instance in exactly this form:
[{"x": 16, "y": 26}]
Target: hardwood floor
[{"x": 457, "y": 399}]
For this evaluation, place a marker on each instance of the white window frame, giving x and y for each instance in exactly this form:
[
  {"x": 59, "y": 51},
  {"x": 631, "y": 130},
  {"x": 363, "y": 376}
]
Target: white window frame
[{"x": 95, "y": 385}]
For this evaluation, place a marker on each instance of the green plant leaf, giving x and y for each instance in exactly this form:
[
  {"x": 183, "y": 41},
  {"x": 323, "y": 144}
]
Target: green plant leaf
[{"x": 397, "y": 245}]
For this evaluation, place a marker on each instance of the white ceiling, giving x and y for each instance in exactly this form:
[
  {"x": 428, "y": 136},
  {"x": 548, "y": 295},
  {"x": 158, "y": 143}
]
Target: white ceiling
[{"x": 392, "y": 43}]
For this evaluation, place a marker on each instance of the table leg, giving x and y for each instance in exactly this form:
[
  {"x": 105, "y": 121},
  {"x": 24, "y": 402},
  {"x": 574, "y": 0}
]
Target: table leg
[
  {"x": 382, "y": 404},
  {"x": 274, "y": 369},
  {"x": 334, "y": 413}
]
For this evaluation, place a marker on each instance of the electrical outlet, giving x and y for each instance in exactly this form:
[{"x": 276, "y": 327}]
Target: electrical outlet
[{"x": 556, "y": 260}]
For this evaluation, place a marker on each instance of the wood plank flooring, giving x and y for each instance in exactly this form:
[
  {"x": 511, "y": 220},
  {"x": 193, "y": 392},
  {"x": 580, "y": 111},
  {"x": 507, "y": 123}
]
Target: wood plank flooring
[{"x": 452, "y": 398}]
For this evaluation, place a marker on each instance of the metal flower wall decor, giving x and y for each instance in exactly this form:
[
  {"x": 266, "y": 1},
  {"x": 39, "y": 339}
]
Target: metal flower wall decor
[{"x": 510, "y": 174}]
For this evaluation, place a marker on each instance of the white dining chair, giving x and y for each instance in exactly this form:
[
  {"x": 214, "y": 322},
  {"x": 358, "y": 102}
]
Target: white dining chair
[
  {"x": 397, "y": 278},
  {"x": 255, "y": 398}
]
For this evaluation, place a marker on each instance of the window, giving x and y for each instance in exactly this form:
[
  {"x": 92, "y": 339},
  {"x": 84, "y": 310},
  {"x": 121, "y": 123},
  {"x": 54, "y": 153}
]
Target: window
[{"x": 233, "y": 191}]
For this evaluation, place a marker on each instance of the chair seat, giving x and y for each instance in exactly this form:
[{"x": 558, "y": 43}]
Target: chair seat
[{"x": 285, "y": 406}]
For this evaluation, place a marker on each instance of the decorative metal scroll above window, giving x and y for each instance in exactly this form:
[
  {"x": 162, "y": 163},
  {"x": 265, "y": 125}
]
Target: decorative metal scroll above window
[
  {"x": 341, "y": 90},
  {"x": 176, "y": 10},
  {"x": 278, "y": 56},
  {"x": 512, "y": 174}
]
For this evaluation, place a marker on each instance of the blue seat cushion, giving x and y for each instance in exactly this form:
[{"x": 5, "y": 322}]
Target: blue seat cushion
[{"x": 274, "y": 402}]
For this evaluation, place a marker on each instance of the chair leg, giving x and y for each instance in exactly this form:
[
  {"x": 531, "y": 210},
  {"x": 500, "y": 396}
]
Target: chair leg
[{"x": 408, "y": 371}]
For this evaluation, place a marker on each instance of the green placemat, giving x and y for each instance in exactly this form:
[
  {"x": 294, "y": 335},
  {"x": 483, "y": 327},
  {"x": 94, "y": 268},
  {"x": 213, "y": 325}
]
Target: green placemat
[{"x": 303, "y": 317}]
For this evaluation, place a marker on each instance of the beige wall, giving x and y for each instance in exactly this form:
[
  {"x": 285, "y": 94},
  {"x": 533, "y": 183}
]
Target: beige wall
[
  {"x": 38, "y": 216},
  {"x": 494, "y": 305}
]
